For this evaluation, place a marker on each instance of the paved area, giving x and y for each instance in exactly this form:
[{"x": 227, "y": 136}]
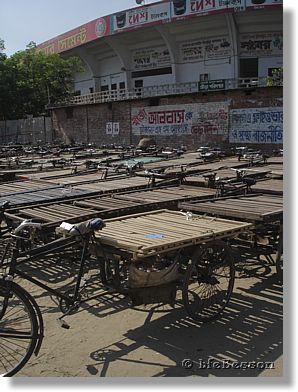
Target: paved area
[{"x": 107, "y": 338}]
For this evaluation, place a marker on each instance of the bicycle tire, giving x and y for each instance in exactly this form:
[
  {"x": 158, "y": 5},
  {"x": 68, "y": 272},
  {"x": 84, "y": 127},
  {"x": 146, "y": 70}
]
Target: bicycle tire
[
  {"x": 279, "y": 265},
  {"x": 202, "y": 282},
  {"x": 12, "y": 296}
]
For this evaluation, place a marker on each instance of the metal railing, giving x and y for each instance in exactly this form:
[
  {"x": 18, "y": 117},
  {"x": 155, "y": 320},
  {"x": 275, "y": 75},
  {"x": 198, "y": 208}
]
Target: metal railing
[{"x": 168, "y": 89}]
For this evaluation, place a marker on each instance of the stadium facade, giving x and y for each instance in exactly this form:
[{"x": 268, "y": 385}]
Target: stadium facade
[{"x": 190, "y": 72}]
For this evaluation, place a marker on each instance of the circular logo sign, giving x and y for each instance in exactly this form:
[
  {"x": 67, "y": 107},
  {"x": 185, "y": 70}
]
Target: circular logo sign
[{"x": 101, "y": 27}]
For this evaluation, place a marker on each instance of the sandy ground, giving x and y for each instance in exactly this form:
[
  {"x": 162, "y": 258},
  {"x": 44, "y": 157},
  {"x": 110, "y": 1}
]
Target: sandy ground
[{"x": 107, "y": 338}]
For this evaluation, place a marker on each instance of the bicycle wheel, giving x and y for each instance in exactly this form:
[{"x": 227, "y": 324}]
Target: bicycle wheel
[
  {"x": 279, "y": 265},
  {"x": 208, "y": 282},
  {"x": 19, "y": 331}
]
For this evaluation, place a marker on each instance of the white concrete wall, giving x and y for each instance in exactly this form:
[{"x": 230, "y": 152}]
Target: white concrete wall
[
  {"x": 269, "y": 62},
  {"x": 110, "y": 71},
  {"x": 108, "y": 67},
  {"x": 83, "y": 81}
]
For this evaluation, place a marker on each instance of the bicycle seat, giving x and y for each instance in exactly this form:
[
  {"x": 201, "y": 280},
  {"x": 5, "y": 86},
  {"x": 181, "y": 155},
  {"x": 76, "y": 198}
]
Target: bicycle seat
[
  {"x": 222, "y": 182},
  {"x": 87, "y": 227},
  {"x": 211, "y": 176},
  {"x": 249, "y": 181},
  {"x": 5, "y": 205}
]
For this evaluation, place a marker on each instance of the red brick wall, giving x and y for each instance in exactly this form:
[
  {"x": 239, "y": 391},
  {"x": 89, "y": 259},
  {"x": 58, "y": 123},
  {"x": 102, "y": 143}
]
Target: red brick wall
[{"x": 87, "y": 124}]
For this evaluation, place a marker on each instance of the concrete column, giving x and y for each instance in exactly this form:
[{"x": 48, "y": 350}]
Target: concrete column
[
  {"x": 233, "y": 34},
  {"x": 124, "y": 55},
  {"x": 172, "y": 47}
]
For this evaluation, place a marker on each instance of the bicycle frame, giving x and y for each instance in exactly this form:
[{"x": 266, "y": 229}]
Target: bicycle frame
[{"x": 19, "y": 258}]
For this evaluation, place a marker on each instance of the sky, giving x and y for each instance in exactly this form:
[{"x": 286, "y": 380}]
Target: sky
[{"x": 22, "y": 21}]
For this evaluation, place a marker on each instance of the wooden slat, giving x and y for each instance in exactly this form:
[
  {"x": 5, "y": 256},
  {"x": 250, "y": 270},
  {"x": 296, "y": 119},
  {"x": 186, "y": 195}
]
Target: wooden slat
[
  {"x": 130, "y": 232},
  {"x": 254, "y": 208}
]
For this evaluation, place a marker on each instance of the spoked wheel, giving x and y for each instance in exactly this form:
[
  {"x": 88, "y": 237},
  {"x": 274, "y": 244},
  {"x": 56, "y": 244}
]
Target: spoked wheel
[
  {"x": 19, "y": 329},
  {"x": 279, "y": 265},
  {"x": 279, "y": 257},
  {"x": 209, "y": 281},
  {"x": 114, "y": 272}
]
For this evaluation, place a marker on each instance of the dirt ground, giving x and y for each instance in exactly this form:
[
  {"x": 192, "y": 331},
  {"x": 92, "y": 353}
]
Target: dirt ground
[{"x": 107, "y": 338}]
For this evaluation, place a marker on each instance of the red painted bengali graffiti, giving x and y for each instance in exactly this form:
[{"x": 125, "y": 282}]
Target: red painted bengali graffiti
[{"x": 81, "y": 35}]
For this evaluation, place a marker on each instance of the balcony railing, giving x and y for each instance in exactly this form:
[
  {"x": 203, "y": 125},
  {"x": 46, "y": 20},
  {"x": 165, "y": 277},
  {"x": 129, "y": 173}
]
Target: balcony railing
[{"x": 168, "y": 89}]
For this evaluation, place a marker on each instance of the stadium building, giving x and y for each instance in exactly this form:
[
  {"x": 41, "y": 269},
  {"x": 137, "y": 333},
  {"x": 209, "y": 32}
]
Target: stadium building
[{"x": 191, "y": 72}]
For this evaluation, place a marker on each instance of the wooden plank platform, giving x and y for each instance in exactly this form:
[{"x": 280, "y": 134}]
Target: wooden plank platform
[
  {"x": 156, "y": 196},
  {"x": 116, "y": 185},
  {"x": 54, "y": 214},
  {"x": 17, "y": 187},
  {"x": 75, "y": 179},
  {"x": 270, "y": 186},
  {"x": 25, "y": 193},
  {"x": 41, "y": 196},
  {"x": 260, "y": 208},
  {"x": 161, "y": 231},
  {"x": 275, "y": 170},
  {"x": 226, "y": 174},
  {"x": 109, "y": 206}
]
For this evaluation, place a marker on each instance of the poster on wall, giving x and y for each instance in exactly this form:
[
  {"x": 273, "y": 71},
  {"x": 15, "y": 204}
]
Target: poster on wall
[
  {"x": 140, "y": 16},
  {"x": 208, "y": 121},
  {"x": 150, "y": 58},
  {"x": 257, "y": 125},
  {"x": 112, "y": 128},
  {"x": 116, "y": 128},
  {"x": 257, "y": 4},
  {"x": 261, "y": 44},
  {"x": 184, "y": 8},
  {"x": 205, "y": 49}
]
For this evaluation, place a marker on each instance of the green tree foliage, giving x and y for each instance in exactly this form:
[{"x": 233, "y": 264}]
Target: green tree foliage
[
  {"x": 276, "y": 79},
  {"x": 2, "y": 47},
  {"x": 30, "y": 80}
]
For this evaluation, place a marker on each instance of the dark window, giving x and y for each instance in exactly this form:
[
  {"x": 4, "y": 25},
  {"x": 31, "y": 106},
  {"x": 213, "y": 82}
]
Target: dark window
[
  {"x": 204, "y": 77},
  {"x": 77, "y": 93},
  {"x": 69, "y": 112},
  {"x": 122, "y": 85},
  {"x": 114, "y": 86},
  {"x": 249, "y": 68},
  {"x": 138, "y": 87},
  {"x": 138, "y": 83},
  {"x": 154, "y": 101},
  {"x": 152, "y": 72},
  {"x": 104, "y": 88},
  {"x": 91, "y": 90}
]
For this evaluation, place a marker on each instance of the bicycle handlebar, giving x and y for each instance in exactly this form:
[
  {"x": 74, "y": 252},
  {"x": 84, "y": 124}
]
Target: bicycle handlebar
[{"x": 4, "y": 206}]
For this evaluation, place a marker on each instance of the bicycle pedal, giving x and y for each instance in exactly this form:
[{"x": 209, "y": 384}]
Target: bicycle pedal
[{"x": 63, "y": 324}]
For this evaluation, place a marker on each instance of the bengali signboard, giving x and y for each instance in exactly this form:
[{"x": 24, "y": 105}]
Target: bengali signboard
[
  {"x": 151, "y": 14},
  {"x": 208, "y": 121},
  {"x": 258, "y": 4},
  {"x": 205, "y": 49},
  {"x": 182, "y": 9},
  {"x": 76, "y": 37},
  {"x": 141, "y": 16},
  {"x": 210, "y": 85},
  {"x": 150, "y": 58},
  {"x": 257, "y": 125},
  {"x": 264, "y": 44}
]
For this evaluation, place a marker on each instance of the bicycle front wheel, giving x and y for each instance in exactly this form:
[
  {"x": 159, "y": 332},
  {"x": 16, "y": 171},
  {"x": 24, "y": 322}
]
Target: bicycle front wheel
[{"x": 18, "y": 329}]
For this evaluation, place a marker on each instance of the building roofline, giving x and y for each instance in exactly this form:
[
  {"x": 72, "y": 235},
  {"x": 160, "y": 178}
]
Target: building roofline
[{"x": 107, "y": 25}]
